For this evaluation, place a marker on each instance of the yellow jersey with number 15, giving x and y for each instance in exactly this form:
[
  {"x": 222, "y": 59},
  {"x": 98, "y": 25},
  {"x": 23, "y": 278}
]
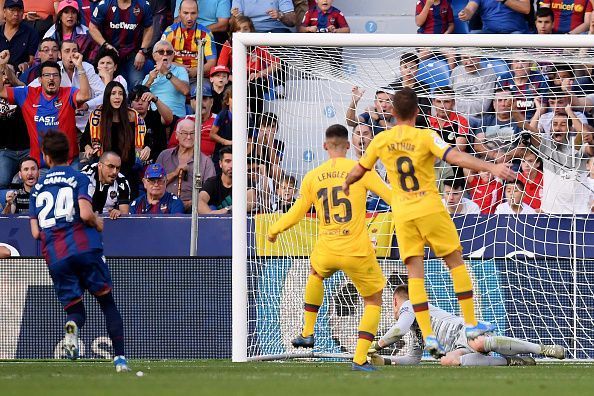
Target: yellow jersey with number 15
[
  {"x": 408, "y": 154},
  {"x": 342, "y": 227}
]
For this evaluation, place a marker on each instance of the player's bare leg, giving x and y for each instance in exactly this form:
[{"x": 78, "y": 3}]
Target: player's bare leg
[
  {"x": 367, "y": 330},
  {"x": 463, "y": 289},
  {"x": 314, "y": 296},
  {"x": 420, "y": 302}
]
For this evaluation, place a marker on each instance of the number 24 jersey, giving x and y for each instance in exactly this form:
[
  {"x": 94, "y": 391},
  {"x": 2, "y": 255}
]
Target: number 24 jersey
[
  {"x": 408, "y": 153},
  {"x": 342, "y": 227}
]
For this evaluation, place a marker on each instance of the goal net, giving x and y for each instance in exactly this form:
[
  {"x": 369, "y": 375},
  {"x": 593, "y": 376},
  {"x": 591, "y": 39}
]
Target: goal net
[{"x": 529, "y": 245}]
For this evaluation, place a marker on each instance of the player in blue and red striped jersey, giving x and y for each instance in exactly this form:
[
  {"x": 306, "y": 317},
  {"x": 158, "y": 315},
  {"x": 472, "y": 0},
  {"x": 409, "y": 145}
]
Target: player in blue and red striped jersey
[
  {"x": 49, "y": 106},
  {"x": 324, "y": 18},
  {"x": 62, "y": 218},
  {"x": 434, "y": 17},
  {"x": 157, "y": 199},
  {"x": 127, "y": 27},
  {"x": 571, "y": 16}
]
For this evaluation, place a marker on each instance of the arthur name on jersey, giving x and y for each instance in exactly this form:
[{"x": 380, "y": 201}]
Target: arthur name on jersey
[{"x": 402, "y": 146}]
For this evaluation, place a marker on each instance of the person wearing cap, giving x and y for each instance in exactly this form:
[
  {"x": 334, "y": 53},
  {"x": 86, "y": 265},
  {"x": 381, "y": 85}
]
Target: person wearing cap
[
  {"x": 157, "y": 121},
  {"x": 379, "y": 116},
  {"x": 168, "y": 81},
  {"x": 17, "y": 37},
  {"x": 178, "y": 163},
  {"x": 157, "y": 199},
  {"x": 69, "y": 26},
  {"x": 219, "y": 79},
  {"x": 207, "y": 145}
]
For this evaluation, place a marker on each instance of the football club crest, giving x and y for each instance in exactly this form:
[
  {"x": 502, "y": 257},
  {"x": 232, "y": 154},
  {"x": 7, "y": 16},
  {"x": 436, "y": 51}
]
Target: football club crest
[
  {"x": 163, "y": 207},
  {"x": 113, "y": 194},
  {"x": 58, "y": 104},
  {"x": 136, "y": 11}
]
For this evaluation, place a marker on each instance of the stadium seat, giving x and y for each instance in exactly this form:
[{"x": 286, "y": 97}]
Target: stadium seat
[
  {"x": 499, "y": 66},
  {"x": 434, "y": 72}
]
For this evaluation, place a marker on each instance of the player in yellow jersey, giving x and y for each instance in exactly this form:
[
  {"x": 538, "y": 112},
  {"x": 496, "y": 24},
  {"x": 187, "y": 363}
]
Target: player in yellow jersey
[
  {"x": 408, "y": 153},
  {"x": 343, "y": 242}
]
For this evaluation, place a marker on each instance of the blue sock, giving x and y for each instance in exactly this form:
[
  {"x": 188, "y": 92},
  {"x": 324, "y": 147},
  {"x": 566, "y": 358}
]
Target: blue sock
[
  {"x": 77, "y": 314},
  {"x": 113, "y": 322}
]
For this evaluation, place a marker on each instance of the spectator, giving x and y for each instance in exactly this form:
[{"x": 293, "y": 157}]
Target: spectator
[
  {"x": 324, "y": 18},
  {"x": 261, "y": 185},
  {"x": 565, "y": 169},
  {"x": 127, "y": 27},
  {"x": 184, "y": 36},
  {"x": 162, "y": 13},
  {"x": 115, "y": 127},
  {"x": 219, "y": 81},
  {"x": 454, "y": 200},
  {"x": 362, "y": 135},
  {"x": 498, "y": 16},
  {"x": 215, "y": 14},
  {"x": 379, "y": 116},
  {"x": 17, "y": 202},
  {"x": 17, "y": 37},
  {"x": 167, "y": 80},
  {"x": 221, "y": 132},
  {"x": 157, "y": 200},
  {"x": 71, "y": 79},
  {"x": 286, "y": 194},
  {"x": 497, "y": 133},
  {"x": 449, "y": 124},
  {"x": 108, "y": 188},
  {"x": 531, "y": 177},
  {"x": 39, "y": 15},
  {"x": 69, "y": 26},
  {"x": 570, "y": 16},
  {"x": 106, "y": 66},
  {"x": 178, "y": 163},
  {"x": 300, "y": 7},
  {"x": 560, "y": 74},
  {"x": 49, "y": 50},
  {"x": 409, "y": 66},
  {"x": 558, "y": 103},
  {"x": 156, "y": 121},
  {"x": 544, "y": 19},
  {"x": 514, "y": 204},
  {"x": 265, "y": 148},
  {"x": 526, "y": 85},
  {"x": 14, "y": 141},
  {"x": 434, "y": 17},
  {"x": 275, "y": 16},
  {"x": 485, "y": 191},
  {"x": 473, "y": 86},
  {"x": 86, "y": 10},
  {"x": 57, "y": 104}
]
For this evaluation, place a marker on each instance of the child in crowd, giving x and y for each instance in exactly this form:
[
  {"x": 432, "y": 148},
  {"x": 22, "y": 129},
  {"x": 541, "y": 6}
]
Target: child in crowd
[
  {"x": 485, "y": 190},
  {"x": 285, "y": 195},
  {"x": 514, "y": 194}
]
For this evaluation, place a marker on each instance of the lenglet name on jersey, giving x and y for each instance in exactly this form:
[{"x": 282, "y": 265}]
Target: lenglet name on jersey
[
  {"x": 401, "y": 146},
  {"x": 332, "y": 175}
]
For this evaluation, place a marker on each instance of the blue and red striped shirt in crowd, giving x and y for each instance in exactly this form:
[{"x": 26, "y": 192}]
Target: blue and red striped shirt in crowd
[
  {"x": 42, "y": 113},
  {"x": 168, "y": 204},
  {"x": 438, "y": 19},
  {"x": 569, "y": 14},
  {"x": 123, "y": 28},
  {"x": 54, "y": 204},
  {"x": 322, "y": 20}
]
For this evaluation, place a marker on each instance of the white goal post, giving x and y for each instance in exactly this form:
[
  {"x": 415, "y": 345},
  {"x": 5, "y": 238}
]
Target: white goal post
[{"x": 283, "y": 46}]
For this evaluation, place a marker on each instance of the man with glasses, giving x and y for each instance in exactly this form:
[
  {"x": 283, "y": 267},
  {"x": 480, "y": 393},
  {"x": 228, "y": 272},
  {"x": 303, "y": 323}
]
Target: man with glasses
[
  {"x": 178, "y": 163},
  {"x": 17, "y": 37},
  {"x": 48, "y": 51},
  {"x": 157, "y": 200},
  {"x": 108, "y": 188},
  {"x": 167, "y": 80},
  {"x": 49, "y": 106}
]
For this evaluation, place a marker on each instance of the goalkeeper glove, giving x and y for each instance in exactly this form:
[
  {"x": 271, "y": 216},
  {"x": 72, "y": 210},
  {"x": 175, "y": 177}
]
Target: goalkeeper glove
[{"x": 374, "y": 348}]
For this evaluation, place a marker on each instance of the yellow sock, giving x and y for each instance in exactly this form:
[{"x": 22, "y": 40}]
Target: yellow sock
[
  {"x": 314, "y": 295},
  {"x": 463, "y": 289},
  {"x": 367, "y": 329},
  {"x": 418, "y": 299}
]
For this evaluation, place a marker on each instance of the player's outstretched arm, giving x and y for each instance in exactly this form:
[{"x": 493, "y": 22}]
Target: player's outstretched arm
[
  {"x": 459, "y": 158},
  {"x": 289, "y": 219},
  {"x": 374, "y": 183},
  {"x": 354, "y": 176},
  {"x": 35, "y": 229},
  {"x": 88, "y": 216}
]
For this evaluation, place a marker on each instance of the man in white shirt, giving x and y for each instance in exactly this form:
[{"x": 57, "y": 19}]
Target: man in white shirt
[
  {"x": 559, "y": 103},
  {"x": 514, "y": 192},
  {"x": 454, "y": 200}
]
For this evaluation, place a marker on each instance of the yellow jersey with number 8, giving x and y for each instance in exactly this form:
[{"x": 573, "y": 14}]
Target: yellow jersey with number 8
[
  {"x": 408, "y": 154},
  {"x": 342, "y": 227}
]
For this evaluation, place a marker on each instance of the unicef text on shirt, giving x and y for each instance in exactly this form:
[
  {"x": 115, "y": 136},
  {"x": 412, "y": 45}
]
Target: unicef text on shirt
[{"x": 123, "y": 25}]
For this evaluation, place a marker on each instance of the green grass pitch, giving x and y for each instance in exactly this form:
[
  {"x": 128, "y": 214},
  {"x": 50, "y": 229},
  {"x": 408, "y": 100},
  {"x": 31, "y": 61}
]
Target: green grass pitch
[{"x": 220, "y": 377}]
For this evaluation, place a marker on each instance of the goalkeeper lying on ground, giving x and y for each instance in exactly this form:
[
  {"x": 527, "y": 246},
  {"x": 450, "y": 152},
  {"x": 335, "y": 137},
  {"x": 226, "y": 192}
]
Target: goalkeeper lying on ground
[{"x": 449, "y": 330}]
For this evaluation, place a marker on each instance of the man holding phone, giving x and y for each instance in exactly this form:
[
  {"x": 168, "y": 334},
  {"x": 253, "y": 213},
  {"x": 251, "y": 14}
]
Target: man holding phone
[{"x": 16, "y": 36}]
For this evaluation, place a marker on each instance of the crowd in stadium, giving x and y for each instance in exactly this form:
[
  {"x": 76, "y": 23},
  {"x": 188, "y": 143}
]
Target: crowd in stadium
[{"x": 119, "y": 78}]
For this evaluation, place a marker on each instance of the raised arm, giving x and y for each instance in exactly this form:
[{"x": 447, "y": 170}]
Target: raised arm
[{"x": 459, "y": 158}]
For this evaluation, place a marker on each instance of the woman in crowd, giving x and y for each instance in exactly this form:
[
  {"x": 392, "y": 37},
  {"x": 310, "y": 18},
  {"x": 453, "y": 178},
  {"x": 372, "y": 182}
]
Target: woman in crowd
[
  {"x": 116, "y": 127},
  {"x": 106, "y": 67}
]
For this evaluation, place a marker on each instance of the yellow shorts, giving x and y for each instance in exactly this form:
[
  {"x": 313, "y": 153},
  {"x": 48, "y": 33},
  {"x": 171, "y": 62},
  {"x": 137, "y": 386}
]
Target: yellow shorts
[
  {"x": 364, "y": 271},
  {"x": 436, "y": 230}
]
